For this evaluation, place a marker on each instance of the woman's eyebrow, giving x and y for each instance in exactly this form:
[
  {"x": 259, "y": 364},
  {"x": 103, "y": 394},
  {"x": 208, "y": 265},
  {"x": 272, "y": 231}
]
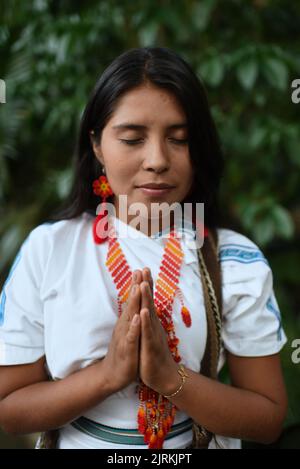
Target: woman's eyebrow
[{"x": 132, "y": 126}]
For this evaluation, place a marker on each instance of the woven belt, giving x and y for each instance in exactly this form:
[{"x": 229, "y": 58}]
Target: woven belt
[{"x": 123, "y": 435}]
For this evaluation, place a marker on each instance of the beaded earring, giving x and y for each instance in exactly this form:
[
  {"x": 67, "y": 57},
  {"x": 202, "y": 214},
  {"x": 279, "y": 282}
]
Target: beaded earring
[{"x": 101, "y": 187}]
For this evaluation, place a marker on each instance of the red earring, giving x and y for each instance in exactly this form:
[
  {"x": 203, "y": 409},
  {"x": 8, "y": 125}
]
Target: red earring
[
  {"x": 102, "y": 188},
  {"x": 199, "y": 226}
]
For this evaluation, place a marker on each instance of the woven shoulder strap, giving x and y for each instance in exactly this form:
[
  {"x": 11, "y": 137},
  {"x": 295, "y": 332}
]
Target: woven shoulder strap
[
  {"x": 210, "y": 273},
  {"x": 211, "y": 283}
]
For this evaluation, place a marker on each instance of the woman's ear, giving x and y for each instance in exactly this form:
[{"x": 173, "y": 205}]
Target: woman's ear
[{"x": 96, "y": 148}]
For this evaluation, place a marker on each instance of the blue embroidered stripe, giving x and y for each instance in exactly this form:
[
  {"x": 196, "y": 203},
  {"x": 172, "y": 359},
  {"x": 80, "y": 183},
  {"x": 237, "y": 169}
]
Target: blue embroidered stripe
[
  {"x": 13, "y": 267},
  {"x": 3, "y": 298},
  {"x": 245, "y": 246},
  {"x": 243, "y": 254},
  {"x": 272, "y": 308}
]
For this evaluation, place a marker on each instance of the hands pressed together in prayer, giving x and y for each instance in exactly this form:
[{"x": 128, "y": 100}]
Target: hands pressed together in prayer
[{"x": 139, "y": 346}]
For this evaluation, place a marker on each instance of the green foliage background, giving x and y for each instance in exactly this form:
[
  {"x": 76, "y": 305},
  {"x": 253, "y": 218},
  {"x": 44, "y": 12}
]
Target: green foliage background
[{"x": 247, "y": 53}]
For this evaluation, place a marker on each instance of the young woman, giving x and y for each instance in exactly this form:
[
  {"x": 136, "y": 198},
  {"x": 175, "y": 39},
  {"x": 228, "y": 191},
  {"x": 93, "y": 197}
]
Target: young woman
[{"x": 124, "y": 362}]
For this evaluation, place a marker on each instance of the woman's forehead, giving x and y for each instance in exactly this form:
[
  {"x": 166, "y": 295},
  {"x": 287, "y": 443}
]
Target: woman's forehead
[{"x": 147, "y": 103}]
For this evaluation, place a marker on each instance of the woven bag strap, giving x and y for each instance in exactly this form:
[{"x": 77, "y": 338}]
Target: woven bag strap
[
  {"x": 210, "y": 274},
  {"x": 211, "y": 282}
]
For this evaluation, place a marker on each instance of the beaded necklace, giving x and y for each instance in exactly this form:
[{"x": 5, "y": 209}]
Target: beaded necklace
[{"x": 156, "y": 413}]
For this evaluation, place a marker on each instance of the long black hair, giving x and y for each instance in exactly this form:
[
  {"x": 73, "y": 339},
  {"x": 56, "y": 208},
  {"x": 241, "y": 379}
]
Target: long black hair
[{"x": 165, "y": 69}]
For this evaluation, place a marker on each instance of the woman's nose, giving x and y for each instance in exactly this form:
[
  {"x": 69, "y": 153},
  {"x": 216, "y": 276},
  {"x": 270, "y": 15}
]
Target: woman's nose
[{"x": 156, "y": 157}]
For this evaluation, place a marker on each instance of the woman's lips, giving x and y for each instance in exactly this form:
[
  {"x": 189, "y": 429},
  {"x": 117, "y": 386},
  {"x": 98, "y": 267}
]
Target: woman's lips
[{"x": 155, "y": 192}]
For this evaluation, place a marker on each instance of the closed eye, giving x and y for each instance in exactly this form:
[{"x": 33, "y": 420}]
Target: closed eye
[
  {"x": 137, "y": 141},
  {"x": 130, "y": 142}
]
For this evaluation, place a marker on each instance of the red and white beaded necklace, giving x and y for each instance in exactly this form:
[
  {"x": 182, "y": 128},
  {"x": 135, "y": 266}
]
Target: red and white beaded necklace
[{"x": 156, "y": 413}]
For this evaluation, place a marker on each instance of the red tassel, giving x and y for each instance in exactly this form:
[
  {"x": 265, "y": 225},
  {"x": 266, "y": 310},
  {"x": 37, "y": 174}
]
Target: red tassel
[
  {"x": 142, "y": 422},
  {"x": 185, "y": 314},
  {"x": 100, "y": 227},
  {"x": 160, "y": 439},
  {"x": 153, "y": 441},
  {"x": 186, "y": 317},
  {"x": 205, "y": 229},
  {"x": 200, "y": 225},
  {"x": 147, "y": 435}
]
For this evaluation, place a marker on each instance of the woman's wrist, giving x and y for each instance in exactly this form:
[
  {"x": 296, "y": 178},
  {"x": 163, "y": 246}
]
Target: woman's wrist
[
  {"x": 183, "y": 375},
  {"x": 107, "y": 378},
  {"x": 172, "y": 381}
]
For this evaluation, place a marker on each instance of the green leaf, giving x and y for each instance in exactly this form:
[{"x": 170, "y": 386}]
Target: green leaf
[
  {"x": 148, "y": 34},
  {"x": 247, "y": 72},
  {"x": 212, "y": 71},
  {"x": 275, "y": 72},
  {"x": 201, "y": 13},
  {"x": 283, "y": 222},
  {"x": 263, "y": 231},
  {"x": 257, "y": 137},
  {"x": 10, "y": 242},
  {"x": 63, "y": 183}
]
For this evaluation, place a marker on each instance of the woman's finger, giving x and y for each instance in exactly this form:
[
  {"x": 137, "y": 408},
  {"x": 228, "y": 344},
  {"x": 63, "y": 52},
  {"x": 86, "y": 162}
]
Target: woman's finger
[
  {"x": 148, "y": 277},
  {"x": 133, "y": 302},
  {"x": 146, "y": 324},
  {"x": 137, "y": 276},
  {"x": 147, "y": 299},
  {"x": 133, "y": 333}
]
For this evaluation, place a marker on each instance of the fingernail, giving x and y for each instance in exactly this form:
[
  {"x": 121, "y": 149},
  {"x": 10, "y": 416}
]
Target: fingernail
[{"x": 134, "y": 277}]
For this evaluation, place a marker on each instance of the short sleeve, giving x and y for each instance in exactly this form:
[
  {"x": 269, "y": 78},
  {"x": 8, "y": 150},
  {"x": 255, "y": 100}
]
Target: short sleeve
[
  {"x": 251, "y": 317},
  {"x": 21, "y": 309}
]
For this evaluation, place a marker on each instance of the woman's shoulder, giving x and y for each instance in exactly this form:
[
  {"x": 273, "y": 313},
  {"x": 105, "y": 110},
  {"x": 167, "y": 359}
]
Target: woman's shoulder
[
  {"x": 54, "y": 239},
  {"x": 235, "y": 247},
  {"x": 51, "y": 230},
  {"x": 244, "y": 267},
  {"x": 247, "y": 277},
  {"x": 251, "y": 315}
]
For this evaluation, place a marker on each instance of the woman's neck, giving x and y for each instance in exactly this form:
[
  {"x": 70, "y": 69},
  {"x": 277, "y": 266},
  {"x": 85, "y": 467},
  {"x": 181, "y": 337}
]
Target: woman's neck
[{"x": 148, "y": 226}]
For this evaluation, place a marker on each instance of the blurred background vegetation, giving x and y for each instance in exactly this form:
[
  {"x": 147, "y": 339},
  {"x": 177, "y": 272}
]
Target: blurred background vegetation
[{"x": 247, "y": 53}]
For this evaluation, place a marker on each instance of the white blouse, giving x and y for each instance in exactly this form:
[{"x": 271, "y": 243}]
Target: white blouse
[{"x": 59, "y": 300}]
